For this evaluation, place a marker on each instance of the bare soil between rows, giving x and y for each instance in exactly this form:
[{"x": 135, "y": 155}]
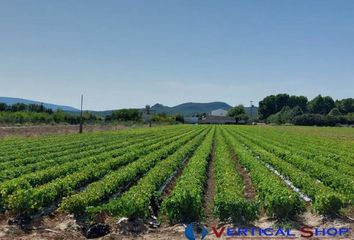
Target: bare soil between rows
[
  {"x": 250, "y": 191},
  {"x": 210, "y": 219}
]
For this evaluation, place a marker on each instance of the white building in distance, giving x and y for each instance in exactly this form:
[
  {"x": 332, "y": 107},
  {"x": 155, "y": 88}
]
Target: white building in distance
[{"x": 219, "y": 112}]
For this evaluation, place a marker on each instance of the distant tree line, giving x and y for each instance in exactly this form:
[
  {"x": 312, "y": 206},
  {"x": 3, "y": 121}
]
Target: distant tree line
[
  {"x": 36, "y": 114},
  {"x": 137, "y": 115},
  {"x": 18, "y": 107},
  {"x": 20, "y": 113},
  {"x": 125, "y": 115},
  {"x": 320, "y": 111}
]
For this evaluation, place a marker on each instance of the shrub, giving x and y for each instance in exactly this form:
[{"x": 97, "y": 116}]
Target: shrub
[{"x": 286, "y": 115}]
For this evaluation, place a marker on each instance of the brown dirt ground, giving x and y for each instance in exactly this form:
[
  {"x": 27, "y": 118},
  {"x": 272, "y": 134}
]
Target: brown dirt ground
[
  {"x": 250, "y": 191},
  {"x": 210, "y": 191},
  {"x": 40, "y": 130},
  {"x": 59, "y": 226},
  {"x": 171, "y": 185}
]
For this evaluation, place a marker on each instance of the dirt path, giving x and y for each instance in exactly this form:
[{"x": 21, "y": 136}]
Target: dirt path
[
  {"x": 173, "y": 181},
  {"x": 250, "y": 190},
  {"x": 210, "y": 219}
]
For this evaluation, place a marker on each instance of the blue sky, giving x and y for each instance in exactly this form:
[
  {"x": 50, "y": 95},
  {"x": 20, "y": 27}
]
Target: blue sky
[{"x": 131, "y": 53}]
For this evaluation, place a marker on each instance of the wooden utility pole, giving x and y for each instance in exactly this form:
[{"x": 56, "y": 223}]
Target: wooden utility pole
[
  {"x": 81, "y": 122},
  {"x": 147, "y": 108},
  {"x": 251, "y": 110}
]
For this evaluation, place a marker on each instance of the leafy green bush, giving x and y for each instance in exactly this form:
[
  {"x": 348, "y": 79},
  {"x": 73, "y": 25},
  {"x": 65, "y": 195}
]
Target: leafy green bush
[
  {"x": 126, "y": 115},
  {"x": 285, "y": 115},
  {"x": 320, "y": 120},
  {"x": 328, "y": 204}
]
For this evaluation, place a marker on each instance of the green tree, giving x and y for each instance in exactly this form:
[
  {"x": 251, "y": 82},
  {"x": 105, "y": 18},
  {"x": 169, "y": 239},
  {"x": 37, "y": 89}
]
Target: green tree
[
  {"x": 285, "y": 115},
  {"x": 127, "y": 115},
  {"x": 335, "y": 112},
  {"x": 345, "y": 105},
  {"x": 281, "y": 100},
  {"x": 59, "y": 116},
  {"x": 18, "y": 107},
  {"x": 300, "y": 101},
  {"x": 275, "y": 103},
  {"x": 3, "y": 107},
  {"x": 321, "y": 105},
  {"x": 238, "y": 112},
  {"x": 267, "y": 107},
  {"x": 179, "y": 118}
]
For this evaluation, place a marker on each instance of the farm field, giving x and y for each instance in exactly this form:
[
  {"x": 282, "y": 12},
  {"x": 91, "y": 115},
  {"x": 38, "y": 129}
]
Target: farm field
[
  {"x": 176, "y": 174},
  {"x": 45, "y": 130}
]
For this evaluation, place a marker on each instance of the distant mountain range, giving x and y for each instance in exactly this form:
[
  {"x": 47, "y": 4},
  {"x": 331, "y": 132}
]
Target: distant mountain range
[
  {"x": 190, "y": 108},
  {"x": 185, "y": 109},
  {"x": 10, "y": 101}
]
